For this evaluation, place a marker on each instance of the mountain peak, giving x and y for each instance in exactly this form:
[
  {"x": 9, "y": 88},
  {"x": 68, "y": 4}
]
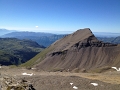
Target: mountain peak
[
  {"x": 85, "y": 30},
  {"x": 69, "y": 40},
  {"x": 81, "y": 50}
]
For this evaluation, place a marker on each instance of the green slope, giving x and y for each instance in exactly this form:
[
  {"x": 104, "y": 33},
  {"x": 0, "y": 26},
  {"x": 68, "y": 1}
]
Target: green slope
[{"x": 14, "y": 51}]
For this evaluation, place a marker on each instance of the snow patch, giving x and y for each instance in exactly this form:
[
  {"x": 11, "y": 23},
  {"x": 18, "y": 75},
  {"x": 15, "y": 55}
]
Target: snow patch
[
  {"x": 75, "y": 87},
  {"x": 29, "y": 74},
  {"x": 33, "y": 68},
  {"x": 116, "y": 68},
  {"x": 71, "y": 83},
  {"x": 94, "y": 84}
]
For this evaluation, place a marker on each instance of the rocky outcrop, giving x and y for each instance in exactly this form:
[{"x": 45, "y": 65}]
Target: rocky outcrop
[
  {"x": 91, "y": 42},
  {"x": 11, "y": 83}
]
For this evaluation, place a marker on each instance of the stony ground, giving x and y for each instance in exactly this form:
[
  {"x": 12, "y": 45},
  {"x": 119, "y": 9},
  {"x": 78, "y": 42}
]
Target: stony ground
[{"x": 61, "y": 80}]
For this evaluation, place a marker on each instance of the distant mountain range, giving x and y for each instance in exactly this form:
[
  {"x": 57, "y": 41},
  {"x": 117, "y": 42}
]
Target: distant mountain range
[
  {"x": 26, "y": 33},
  {"x": 106, "y": 34},
  {"x": 46, "y": 39},
  {"x": 41, "y": 38},
  {"x": 115, "y": 40},
  {"x": 14, "y": 33},
  {"x": 5, "y": 31}
]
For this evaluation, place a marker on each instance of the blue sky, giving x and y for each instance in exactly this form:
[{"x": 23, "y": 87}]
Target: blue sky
[{"x": 60, "y": 16}]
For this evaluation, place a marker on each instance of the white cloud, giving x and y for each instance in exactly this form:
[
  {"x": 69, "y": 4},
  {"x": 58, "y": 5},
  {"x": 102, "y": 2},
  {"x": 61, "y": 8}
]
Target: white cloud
[{"x": 36, "y": 26}]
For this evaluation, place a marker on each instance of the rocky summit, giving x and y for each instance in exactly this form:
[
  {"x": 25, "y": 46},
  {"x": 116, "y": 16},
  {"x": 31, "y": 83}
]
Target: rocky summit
[{"x": 80, "y": 51}]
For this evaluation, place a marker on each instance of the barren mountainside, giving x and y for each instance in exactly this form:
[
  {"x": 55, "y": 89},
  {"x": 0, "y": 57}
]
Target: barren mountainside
[{"x": 80, "y": 50}]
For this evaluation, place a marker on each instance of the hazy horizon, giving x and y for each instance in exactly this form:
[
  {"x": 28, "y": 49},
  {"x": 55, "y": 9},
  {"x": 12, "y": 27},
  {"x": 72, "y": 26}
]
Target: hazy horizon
[
  {"x": 56, "y": 16},
  {"x": 60, "y": 32}
]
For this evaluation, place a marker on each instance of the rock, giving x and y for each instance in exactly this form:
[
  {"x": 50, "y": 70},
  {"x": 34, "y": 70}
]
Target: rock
[
  {"x": 76, "y": 70},
  {"x": 83, "y": 70},
  {"x": 10, "y": 83}
]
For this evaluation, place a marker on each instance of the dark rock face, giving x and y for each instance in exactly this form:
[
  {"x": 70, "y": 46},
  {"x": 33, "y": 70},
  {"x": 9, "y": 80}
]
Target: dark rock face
[
  {"x": 92, "y": 42},
  {"x": 89, "y": 42},
  {"x": 59, "y": 53},
  {"x": 81, "y": 50}
]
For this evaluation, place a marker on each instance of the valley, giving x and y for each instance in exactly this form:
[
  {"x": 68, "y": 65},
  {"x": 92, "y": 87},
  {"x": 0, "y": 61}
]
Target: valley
[{"x": 15, "y": 51}]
